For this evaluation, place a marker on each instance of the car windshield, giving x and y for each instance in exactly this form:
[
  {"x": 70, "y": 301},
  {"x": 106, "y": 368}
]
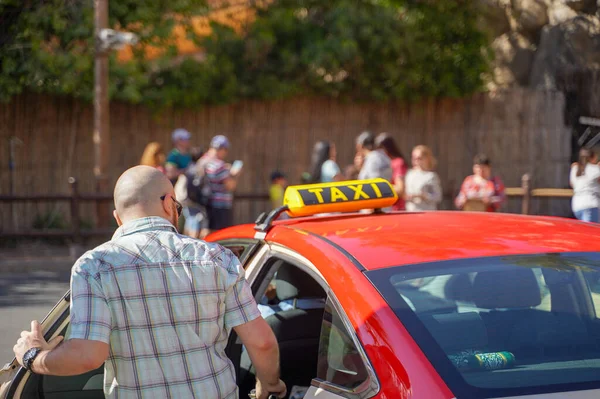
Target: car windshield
[{"x": 503, "y": 326}]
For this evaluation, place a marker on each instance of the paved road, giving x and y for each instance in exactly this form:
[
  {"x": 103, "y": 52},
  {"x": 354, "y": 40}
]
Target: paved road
[{"x": 25, "y": 297}]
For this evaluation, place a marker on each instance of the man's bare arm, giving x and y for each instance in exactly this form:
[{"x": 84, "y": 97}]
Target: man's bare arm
[
  {"x": 259, "y": 340},
  {"x": 73, "y": 357}
]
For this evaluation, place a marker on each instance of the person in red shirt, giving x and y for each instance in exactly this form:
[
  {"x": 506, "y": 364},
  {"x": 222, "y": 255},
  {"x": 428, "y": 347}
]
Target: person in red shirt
[
  {"x": 387, "y": 143},
  {"x": 481, "y": 187}
]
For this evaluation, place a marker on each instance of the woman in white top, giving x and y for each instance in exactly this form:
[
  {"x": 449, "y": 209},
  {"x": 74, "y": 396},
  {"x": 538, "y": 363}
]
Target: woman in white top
[
  {"x": 323, "y": 168},
  {"x": 585, "y": 180},
  {"x": 423, "y": 190}
]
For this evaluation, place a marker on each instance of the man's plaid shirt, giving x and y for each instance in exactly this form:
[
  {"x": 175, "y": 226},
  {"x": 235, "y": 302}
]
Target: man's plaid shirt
[{"x": 165, "y": 303}]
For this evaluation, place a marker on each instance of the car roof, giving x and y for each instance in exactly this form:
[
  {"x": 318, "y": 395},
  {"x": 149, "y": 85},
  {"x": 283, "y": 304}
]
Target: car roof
[
  {"x": 378, "y": 241},
  {"x": 401, "y": 238}
]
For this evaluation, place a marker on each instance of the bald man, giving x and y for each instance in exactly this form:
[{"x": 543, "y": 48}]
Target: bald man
[{"x": 156, "y": 308}]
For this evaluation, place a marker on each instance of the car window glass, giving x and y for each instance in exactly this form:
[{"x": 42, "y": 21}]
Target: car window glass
[
  {"x": 593, "y": 281},
  {"x": 340, "y": 362},
  {"x": 454, "y": 292},
  {"x": 503, "y": 323},
  {"x": 242, "y": 250},
  {"x": 237, "y": 249}
]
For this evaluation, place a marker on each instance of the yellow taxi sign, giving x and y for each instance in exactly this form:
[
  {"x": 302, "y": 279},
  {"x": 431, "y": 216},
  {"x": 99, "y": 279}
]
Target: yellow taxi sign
[{"x": 347, "y": 196}]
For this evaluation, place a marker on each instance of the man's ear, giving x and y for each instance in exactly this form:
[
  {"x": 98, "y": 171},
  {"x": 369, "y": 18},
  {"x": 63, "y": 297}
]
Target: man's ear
[
  {"x": 117, "y": 218},
  {"x": 168, "y": 206}
]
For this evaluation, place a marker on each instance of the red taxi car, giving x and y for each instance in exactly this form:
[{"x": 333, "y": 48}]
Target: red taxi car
[{"x": 404, "y": 305}]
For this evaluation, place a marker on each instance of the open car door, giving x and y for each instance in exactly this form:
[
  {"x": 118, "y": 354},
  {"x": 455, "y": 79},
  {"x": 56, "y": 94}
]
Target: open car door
[{"x": 17, "y": 383}]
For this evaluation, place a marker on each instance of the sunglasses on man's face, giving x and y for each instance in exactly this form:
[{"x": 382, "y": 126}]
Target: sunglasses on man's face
[{"x": 178, "y": 205}]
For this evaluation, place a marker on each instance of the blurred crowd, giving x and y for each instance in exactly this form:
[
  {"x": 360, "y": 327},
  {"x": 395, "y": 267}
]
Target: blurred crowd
[
  {"x": 417, "y": 184},
  {"x": 204, "y": 182}
]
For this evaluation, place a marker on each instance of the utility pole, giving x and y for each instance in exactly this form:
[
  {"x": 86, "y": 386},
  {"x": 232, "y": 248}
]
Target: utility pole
[{"x": 101, "y": 136}]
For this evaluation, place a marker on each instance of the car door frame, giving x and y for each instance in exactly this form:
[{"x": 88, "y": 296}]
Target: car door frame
[
  {"x": 320, "y": 389},
  {"x": 54, "y": 322},
  {"x": 253, "y": 246}
]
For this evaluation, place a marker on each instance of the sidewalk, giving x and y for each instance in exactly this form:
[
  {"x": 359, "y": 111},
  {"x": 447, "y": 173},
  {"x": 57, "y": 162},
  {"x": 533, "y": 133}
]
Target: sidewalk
[{"x": 35, "y": 256}]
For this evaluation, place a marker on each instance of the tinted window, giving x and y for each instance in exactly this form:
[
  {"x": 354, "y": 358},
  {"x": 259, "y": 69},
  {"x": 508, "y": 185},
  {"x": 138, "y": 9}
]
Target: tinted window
[
  {"x": 503, "y": 326},
  {"x": 241, "y": 249},
  {"x": 340, "y": 362},
  {"x": 593, "y": 280}
]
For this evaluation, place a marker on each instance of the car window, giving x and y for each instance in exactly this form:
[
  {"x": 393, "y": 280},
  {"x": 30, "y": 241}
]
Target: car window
[
  {"x": 503, "y": 326},
  {"x": 454, "y": 292},
  {"x": 593, "y": 281},
  {"x": 340, "y": 362},
  {"x": 241, "y": 249},
  {"x": 237, "y": 249}
]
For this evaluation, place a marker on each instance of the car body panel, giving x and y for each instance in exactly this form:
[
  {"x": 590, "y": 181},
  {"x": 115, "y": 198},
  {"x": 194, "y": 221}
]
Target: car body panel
[
  {"x": 590, "y": 394},
  {"x": 406, "y": 238},
  {"x": 340, "y": 248},
  {"x": 391, "y": 350},
  {"x": 379, "y": 241}
]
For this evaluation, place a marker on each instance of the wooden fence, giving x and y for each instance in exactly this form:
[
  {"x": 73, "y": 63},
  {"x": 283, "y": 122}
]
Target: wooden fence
[
  {"x": 522, "y": 131},
  {"x": 77, "y": 235}
]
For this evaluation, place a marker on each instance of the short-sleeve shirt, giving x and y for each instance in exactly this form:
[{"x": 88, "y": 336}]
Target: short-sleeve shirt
[
  {"x": 376, "y": 164},
  {"x": 176, "y": 158},
  {"x": 475, "y": 188},
  {"x": 216, "y": 173},
  {"x": 329, "y": 170},
  {"x": 426, "y": 184},
  {"x": 586, "y": 188},
  {"x": 165, "y": 303}
]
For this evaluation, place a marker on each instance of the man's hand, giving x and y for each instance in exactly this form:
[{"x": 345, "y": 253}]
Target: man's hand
[
  {"x": 34, "y": 339},
  {"x": 263, "y": 389}
]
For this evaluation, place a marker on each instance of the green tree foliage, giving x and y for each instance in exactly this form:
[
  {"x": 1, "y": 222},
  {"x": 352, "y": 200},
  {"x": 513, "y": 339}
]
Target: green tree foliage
[
  {"x": 355, "y": 49},
  {"x": 48, "y": 45}
]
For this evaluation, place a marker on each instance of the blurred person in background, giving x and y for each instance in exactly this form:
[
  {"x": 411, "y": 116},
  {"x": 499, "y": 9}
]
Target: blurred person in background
[
  {"x": 585, "y": 180},
  {"x": 351, "y": 172},
  {"x": 481, "y": 191},
  {"x": 305, "y": 178},
  {"x": 222, "y": 180},
  {"x": 191, "y": 190},
  {"x": 179, "y": 158},
  {"x": 277, "y": 189},
  {"x": 323, "y": 166},
  {"x": 154, "y": 156},
  {"x": 376, "y": 163},
  {"x": 387, "y": 143},
  {"x": 423, "y": 189}
]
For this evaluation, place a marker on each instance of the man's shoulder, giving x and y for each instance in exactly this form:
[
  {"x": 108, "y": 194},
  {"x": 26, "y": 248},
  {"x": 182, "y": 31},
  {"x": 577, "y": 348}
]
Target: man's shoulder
[
  {"x": 92, "y": 261},
  {"x": 208, "y": 253},
  {"x": 181, "y": 248}
]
